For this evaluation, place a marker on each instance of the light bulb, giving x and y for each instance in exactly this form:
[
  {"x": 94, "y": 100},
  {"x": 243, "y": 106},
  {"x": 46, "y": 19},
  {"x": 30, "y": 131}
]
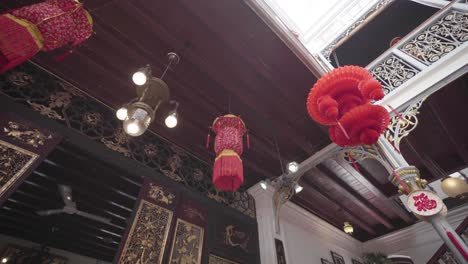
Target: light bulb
[
  {"x": 171, "y": 120},
  {"x": 348, "y": 228},
  {"x": 293, "y": 167},
  {"x": 139, "y": 78},
  {"x": 263, "y": 185},
  {"x": 132, "y": 128},
  {"x": 121, "y": 113},
  {"x": 298, "y": 188},
  {"x": 4, "y": 260}
]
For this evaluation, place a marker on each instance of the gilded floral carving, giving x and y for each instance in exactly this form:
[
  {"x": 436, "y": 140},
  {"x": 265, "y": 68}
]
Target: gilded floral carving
[
  {"x": 194, "y": 213},
  {"x": 187, "y": 244},
  {"x": 14, "y": 161},
  {"x": 148, "y": 235},
  {"x": 219, "y": 260},
  {"x": 157, "y": 193},
  {"x": 118, "y": 142},
  {"x": 92, "y": 118},
  {"x": 25, "y": 134}
]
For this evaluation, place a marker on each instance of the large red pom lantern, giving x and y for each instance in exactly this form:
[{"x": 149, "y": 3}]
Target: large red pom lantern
[
  {"x": 342, "y": 99},
  {"x": 228, "y": 172},
  {"x": 339, "y": 91},
  {"x": 43, "y": 26}
]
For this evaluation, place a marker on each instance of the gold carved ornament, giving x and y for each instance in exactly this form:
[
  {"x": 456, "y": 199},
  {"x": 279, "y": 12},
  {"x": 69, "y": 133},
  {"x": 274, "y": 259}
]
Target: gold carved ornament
[
  {"x": 187, "y": 244},
  {"x": 235, "y": 238},
  {"x": 14, "y": 161},
  {"x": 26, "y": 135},
  {"x": 147, "y": 238},
  {"x": 219, "y": 260},
  {"x": 157, "y": 193}
]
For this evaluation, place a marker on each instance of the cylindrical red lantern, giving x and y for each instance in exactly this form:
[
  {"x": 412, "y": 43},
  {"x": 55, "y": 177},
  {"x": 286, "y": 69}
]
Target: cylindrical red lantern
[
  {"x": 43, "y": 26},
  {"x": 228, "y": 172}
]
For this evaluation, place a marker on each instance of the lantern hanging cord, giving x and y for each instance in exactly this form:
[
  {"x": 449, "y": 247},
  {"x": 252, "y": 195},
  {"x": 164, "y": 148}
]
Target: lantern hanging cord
[{"x": 279, "y": 156}]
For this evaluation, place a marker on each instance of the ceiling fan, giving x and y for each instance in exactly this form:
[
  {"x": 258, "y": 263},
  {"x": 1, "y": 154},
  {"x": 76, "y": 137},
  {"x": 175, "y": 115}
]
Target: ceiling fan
[{"x": 70, "y": 207}]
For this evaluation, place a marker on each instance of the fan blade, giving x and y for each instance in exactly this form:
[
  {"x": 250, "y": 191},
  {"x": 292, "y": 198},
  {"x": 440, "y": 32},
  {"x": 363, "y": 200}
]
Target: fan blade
[
  {"x": 94, "y": 217},
  {"x": 66, "y": 193},
  {"x": 49, "y": 212}
]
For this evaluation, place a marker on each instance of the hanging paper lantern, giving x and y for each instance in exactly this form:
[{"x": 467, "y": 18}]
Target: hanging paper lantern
[
  {"x": 363, "y": 125},
  {"x": 339, "y": 91},
  {"x": 44, "y": 26},
  {"x": 228, "y": 172}
]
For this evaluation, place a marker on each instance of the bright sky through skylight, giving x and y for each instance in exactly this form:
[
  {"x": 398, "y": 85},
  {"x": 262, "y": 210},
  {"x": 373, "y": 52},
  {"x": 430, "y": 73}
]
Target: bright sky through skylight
[{"x": 318, "y": 22}]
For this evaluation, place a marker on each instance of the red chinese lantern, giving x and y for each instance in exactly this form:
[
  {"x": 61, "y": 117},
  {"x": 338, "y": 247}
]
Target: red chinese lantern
[
  {"x": 339, "y": 91},
  {"x": 44, "y": 26},
  {"x": 228, "y": 172},
  {"x": 342, "y": 99}
]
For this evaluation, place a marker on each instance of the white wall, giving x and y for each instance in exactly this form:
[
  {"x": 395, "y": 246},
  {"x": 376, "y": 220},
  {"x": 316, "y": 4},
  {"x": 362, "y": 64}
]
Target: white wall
[
  {"x": 72, "y": 258},
  {"x": 418, "y": 241},
  {"x": 307, "y": 238}
]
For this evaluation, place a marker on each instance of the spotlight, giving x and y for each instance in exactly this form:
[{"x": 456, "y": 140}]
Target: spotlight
[
  {"x": 4, "y": 260},
  {"x": 298, "y": 188},
  {"x": 348, "y": 228},
  {"x": 264, "y": 185},
  {"x": 122, "y": 113},
  {"x": 293, "y": 167}
]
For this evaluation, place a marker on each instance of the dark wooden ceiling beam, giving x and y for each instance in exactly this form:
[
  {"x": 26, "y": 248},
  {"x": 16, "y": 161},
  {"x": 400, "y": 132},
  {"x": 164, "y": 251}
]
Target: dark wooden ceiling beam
[
  {"x": 319, "y": 194},
  {"x": 381, "y": 198},
  {"x": 329, "y": 181}
]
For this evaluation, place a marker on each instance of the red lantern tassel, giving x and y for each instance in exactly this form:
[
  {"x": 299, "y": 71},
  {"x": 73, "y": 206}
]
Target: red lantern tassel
[
  {"x": 20, "y": 41},
  {"x": 63, "y": 56},
  {"x": 396, "y": 112},
  {"x": 402, "y": 183},
  {"x": 354, "y": 163},
  {"x": 343, "y": 130},
  {"x": 228, "y": 172},
  {"x": 457, "y": 245},
  {"x": 208, "y": 136}
]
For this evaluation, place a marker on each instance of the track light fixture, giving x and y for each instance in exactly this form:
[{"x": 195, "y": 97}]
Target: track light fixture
[
  {"x": 348, "y": 228},
  {"x": 293, "y": 167},
  {"x": 151, "y": 92}
]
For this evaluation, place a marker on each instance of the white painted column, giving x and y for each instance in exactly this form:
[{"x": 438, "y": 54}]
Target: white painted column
[{"x": 266, "y": 222}]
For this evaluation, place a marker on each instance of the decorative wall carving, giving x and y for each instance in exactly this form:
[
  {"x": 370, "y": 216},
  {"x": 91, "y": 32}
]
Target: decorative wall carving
[
  {"x": 187, "y": 243},
  {"x": 25, "y": 134},
  {"x": 56, "y": 99},
  {"x": 158, "y": 194},
  {"x": 148, "y": 234},
  {"x": 236, "y": 238},
  {"x": 14, "y": 162},
  {"x": 393, "y": 72},
  {"x": 219, "y": 260},
  {"x": 439, "y": 38}
]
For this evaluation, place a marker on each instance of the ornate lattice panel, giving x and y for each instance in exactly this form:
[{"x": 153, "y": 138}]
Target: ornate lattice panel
[
  {"x": 148, "y": 235},
  {"x": 439, "y": 39},
  {"x": 393, "y": 72},
  {"x": 14, "y": 161},
  {"x": 187, "y": 244},
  {"x": 68, "y": 105}
]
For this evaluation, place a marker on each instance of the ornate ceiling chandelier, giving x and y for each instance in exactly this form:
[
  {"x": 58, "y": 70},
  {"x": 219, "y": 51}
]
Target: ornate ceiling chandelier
[{"x": 151, "y": 92}]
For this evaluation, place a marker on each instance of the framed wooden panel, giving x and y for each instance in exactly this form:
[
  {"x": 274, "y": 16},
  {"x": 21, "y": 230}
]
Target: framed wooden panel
[{"x": 187, "y": 243}]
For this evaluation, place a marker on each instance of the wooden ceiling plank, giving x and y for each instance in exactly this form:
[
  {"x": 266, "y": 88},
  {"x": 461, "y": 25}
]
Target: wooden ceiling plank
[
  {"x": 401, "y": 212},
  {"x": 328, "y": 180},
  {"x": 323, "y": 195}
]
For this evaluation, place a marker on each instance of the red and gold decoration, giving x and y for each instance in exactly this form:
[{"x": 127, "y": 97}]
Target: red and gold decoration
[
  {"x": 342, "y": 100},
  {"x": 228, "y": 172},
  {"x": 43, "y": 26}
]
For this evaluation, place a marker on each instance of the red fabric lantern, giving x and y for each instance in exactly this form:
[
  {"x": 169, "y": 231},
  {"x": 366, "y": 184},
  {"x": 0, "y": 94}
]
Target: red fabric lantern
[
  {"x": 44, "y": 26},
  {"x": 228, "y": 172},
  {"x": 339, "y": 91},
  {"x": 363, "y": 124}
]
